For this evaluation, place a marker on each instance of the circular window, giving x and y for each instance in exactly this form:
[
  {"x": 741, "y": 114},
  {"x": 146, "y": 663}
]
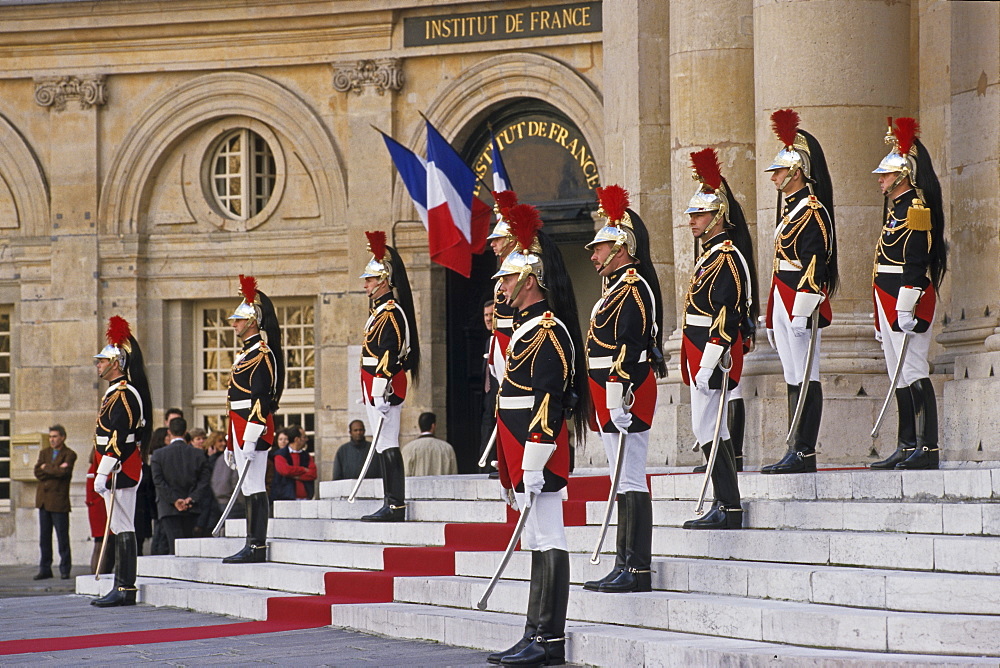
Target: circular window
[{"x": 243, "y": 174}]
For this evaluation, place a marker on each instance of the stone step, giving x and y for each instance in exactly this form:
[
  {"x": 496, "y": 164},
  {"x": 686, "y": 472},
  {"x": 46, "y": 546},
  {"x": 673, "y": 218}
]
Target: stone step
[
  {"x": 200, "y": 597},
  {"x": 903, "y": 591},
  {"x": 310, "y": 553},
  {"x": 348, "y": 531},
  {"x": 613, "y": 645},
  {"x": 283, "y": 577},
  {"x": 784, "y": 622},
  {"x": 467, "y": 486},
  {"x": 943, "y": 485},
  {"x": 417, "y": 510}
]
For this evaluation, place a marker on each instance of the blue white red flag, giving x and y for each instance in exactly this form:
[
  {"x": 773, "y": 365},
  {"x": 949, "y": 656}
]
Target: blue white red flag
[
  {"x": 501, "y": 181},
  {"x": 413, "y": 170}
]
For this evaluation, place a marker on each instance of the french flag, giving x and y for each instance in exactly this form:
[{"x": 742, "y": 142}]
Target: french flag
[
  {"x": 457, "y": 221},
  {"x": 413, "y": 170},
  {"x": 501, "y": 181}
]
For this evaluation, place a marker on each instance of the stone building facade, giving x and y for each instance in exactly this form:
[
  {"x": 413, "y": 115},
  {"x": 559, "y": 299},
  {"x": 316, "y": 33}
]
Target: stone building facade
[{"x": 150, "y": 152}]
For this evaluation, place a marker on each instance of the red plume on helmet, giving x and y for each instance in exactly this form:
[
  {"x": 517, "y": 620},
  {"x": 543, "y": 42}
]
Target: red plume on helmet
[
  {"x": 505, "y": 199},
  {"x": 376, "y": 244},
  {"x": 906, "y": 132},
  {"x": 785, "y": 123},
  {"x": 118, "y": 331},
  {"x": 524, "y": 224},
  {"x": 248, "y": 288},
  {"x": 706, "y": 165},
  {"x": 614, "y": 201}
]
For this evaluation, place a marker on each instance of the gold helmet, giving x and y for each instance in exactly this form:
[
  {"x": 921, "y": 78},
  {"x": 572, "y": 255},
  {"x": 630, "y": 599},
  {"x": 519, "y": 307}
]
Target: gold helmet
[
  {"x": 712, "y": 195},
  {"x": 902, "y": 158},
  {"x": 618, "y": 230},
  {"x": 526, "y": 258},
  {"x": 119, "y": 346},
  {"x": 795, "y": 154},
  {"x": 249, "y": 308},
  {"x": 379, "y": 266},
  {"x": 503, "y": 201}
]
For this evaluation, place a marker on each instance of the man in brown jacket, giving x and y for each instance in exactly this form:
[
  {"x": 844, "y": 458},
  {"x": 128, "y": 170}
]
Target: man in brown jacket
[{"x": 55, "y": 471}]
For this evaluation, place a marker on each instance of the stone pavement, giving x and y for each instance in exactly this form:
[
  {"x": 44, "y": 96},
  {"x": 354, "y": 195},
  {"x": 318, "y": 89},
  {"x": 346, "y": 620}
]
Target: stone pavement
[{"x": 47, "y": 608}]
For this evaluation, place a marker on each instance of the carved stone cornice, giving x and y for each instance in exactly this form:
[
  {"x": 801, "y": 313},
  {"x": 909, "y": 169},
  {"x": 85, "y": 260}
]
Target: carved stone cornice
[
  {"x": 54, "y": 92},
  {"x": 383, "y": 74}
]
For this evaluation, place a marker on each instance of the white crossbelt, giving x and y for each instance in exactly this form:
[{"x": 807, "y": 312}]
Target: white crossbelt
[
  {"x": 512, "y": 403},
  {"x": 103, "y": 440},
  {"x": 695, "y": 320},
  {"x": 505, "y": 323},
  {"x": 888, "y": 269},
  {"x": 239, "y": 405},
  {"x": 608, "y": 361},
  {"x": 785, "y": 265}
]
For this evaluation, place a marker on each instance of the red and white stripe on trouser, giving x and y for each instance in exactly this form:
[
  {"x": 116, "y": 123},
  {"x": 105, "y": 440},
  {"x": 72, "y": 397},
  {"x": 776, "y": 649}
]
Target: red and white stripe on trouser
[
  {"x": 544, "y": 529},
  {"x": 389, "y": 437},
  {"x": 633, "y": 478},
  {"x": 792, "y": 349},
  {"x": 123, "y": 518},
  {"x": 915, "y": 366},
  {"x": 704, "y": 409}
]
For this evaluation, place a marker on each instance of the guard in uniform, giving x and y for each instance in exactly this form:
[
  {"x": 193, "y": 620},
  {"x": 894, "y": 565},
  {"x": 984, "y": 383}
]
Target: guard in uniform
[
  {"x": 545, "y": 378},
  {"x": 804, "y": 279},
  {"x": 717, "y": 309},
  {"x": 255, "y": 386},
  {"x": 910, "y": 263},
  {"x": 624, "y": 360},
  {"x": 122, "y": 431},
  {"x": 390, "y": 349}
]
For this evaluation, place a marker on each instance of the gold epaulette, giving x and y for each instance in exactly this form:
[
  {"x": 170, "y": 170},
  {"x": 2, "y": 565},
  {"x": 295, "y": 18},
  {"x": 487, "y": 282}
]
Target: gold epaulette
[
  {"x": 390, "y": 304},
  {"x": 548, "y": 320},
  {"x": 727, "y": 246},
  {"x": 631, "y": 276},
  {"x": 122, "y": 384},
  {"x": 814, "y": 203},
  {"x": 918, "y": 217}
]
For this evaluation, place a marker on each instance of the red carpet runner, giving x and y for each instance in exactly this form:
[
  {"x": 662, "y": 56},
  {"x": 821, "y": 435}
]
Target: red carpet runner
[{"x": 288, "y": 613}]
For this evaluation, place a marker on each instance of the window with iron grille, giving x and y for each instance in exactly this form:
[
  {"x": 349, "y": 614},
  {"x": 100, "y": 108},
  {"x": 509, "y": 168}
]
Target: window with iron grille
[{"x": 243, "y": 174}]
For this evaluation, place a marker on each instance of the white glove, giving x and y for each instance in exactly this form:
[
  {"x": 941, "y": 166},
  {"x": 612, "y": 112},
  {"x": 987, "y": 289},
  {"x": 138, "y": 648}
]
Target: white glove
[
  {"x": 507, "y": 496},
  {"x": 878, "y": 335},
  {"x": 906, "y": 321},
  {"x": 101, "y": 483},
  {"x": 249, "y": 451},
  {"x": 533, "y": 482},
  {"x": 770, "y": 339},
  {"x": 230, "y": 462},
  {"x": 701, "y": 380},
  {"x": 381, "y": 405},
  {"x": 800, "y": 325},
  {"x": 621, "y": 419}
]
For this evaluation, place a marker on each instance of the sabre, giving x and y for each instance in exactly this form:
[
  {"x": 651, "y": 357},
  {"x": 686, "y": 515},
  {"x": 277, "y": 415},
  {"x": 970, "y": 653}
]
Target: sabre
[
  {"x": 715, "y": 437},
  {"x": 892, "y": 385},
  {"x": 368, "y": 460},
  {"x": 516, "y": 536},
  {"x": 107, "y": 529},
  {"x": 595, "y": 558},
  {"x": 489, "y": 448},
  {"x": 804, "y": 388},
  {"x": 232, "y": 501}
]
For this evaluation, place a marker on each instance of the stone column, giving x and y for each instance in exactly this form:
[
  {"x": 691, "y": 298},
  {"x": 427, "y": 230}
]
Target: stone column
[
  {"x": 637, "y": 148},
  {"x": 844, "y": 65},
  {"x": 970, "y": 336}
]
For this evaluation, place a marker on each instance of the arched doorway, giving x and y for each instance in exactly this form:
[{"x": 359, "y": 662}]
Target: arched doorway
[{"x": 551, "y": 166}]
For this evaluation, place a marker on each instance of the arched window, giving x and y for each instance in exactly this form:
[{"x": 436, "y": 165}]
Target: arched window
[{"x": 243, "y": 174}]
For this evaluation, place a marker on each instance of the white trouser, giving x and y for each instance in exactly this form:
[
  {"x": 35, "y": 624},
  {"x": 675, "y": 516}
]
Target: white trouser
[
  {"x": 254, "y": 482},
  {"x": 389, "y": 438},
  {"x": 544, "y": 529},
  {"x": 792, "y": 349},
  {"x": 915, "y": 365},
  {"x": 735, "y": 393},
  {"x": 633, "y": 478},
  {"x": 123, "y": 517},
  {"x": 704, "y": 409}
]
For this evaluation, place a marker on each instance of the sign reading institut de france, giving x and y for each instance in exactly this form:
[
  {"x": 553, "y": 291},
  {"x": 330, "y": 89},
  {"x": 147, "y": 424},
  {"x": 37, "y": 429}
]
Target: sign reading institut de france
[{"x": 577, "y": 17}]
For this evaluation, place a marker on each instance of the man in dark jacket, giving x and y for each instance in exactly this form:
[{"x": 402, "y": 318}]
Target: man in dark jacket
[
  {"x": 55, "y": 470},
  {"x": 294, "y": 468},
  {"x": 182, "y": 477}
]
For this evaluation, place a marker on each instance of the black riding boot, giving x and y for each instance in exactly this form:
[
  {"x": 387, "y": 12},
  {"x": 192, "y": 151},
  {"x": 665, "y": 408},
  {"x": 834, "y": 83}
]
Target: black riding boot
[
  {"x": 636, "y": 576},
  {"x": 726, "y": 512},
  {"x": 801, "y": 455},
  {"x": 737, "y": 421},
  {"x": 707, "y": 451},
  {"x": 255, "y": 550},
  {"x": 534, "y": 603},
  {"x": 124, "y": 590},
  {"x": 394, "y": 486},
  {"x": 549, "y": 645},
  {"x": 621, "y": 540},
  {"x": 926, "y": 454},
  {"x": 906, "y": 434}
]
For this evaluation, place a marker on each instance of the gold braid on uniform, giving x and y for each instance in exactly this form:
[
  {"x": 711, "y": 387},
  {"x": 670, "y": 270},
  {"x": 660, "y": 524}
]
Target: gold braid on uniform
[
  {"x": 117, "y": 396},
  {"x": 725, "y": 258},
  {"x": 612, "y": 310},
  {"x": 900, "y": 232},
  {"x": 375, "y": 333},
  {"x": 542, "y": 333},
  {"x": 251, "y": 363},
  {"x": 792, "y": 236}
]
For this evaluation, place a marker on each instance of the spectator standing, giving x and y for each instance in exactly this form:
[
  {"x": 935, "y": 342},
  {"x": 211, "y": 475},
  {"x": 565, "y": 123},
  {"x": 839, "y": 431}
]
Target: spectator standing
[
  {"x": 181, "y": 476},
  {"x": 350, "y": 456},
  {"x": 213, "y": 446},
  {"x": 427, "y": 455},
  {"x": 146, "y": 509},
  {"x": 54, "y": 470},
  {"x": 97, "y": 513},
  {"x": 294, "y": 468}
]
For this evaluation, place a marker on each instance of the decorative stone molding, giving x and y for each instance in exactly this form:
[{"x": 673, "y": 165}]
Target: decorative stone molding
[
  {"x": 384, "y": 74},
  {"x": 53, "y": 92}
]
